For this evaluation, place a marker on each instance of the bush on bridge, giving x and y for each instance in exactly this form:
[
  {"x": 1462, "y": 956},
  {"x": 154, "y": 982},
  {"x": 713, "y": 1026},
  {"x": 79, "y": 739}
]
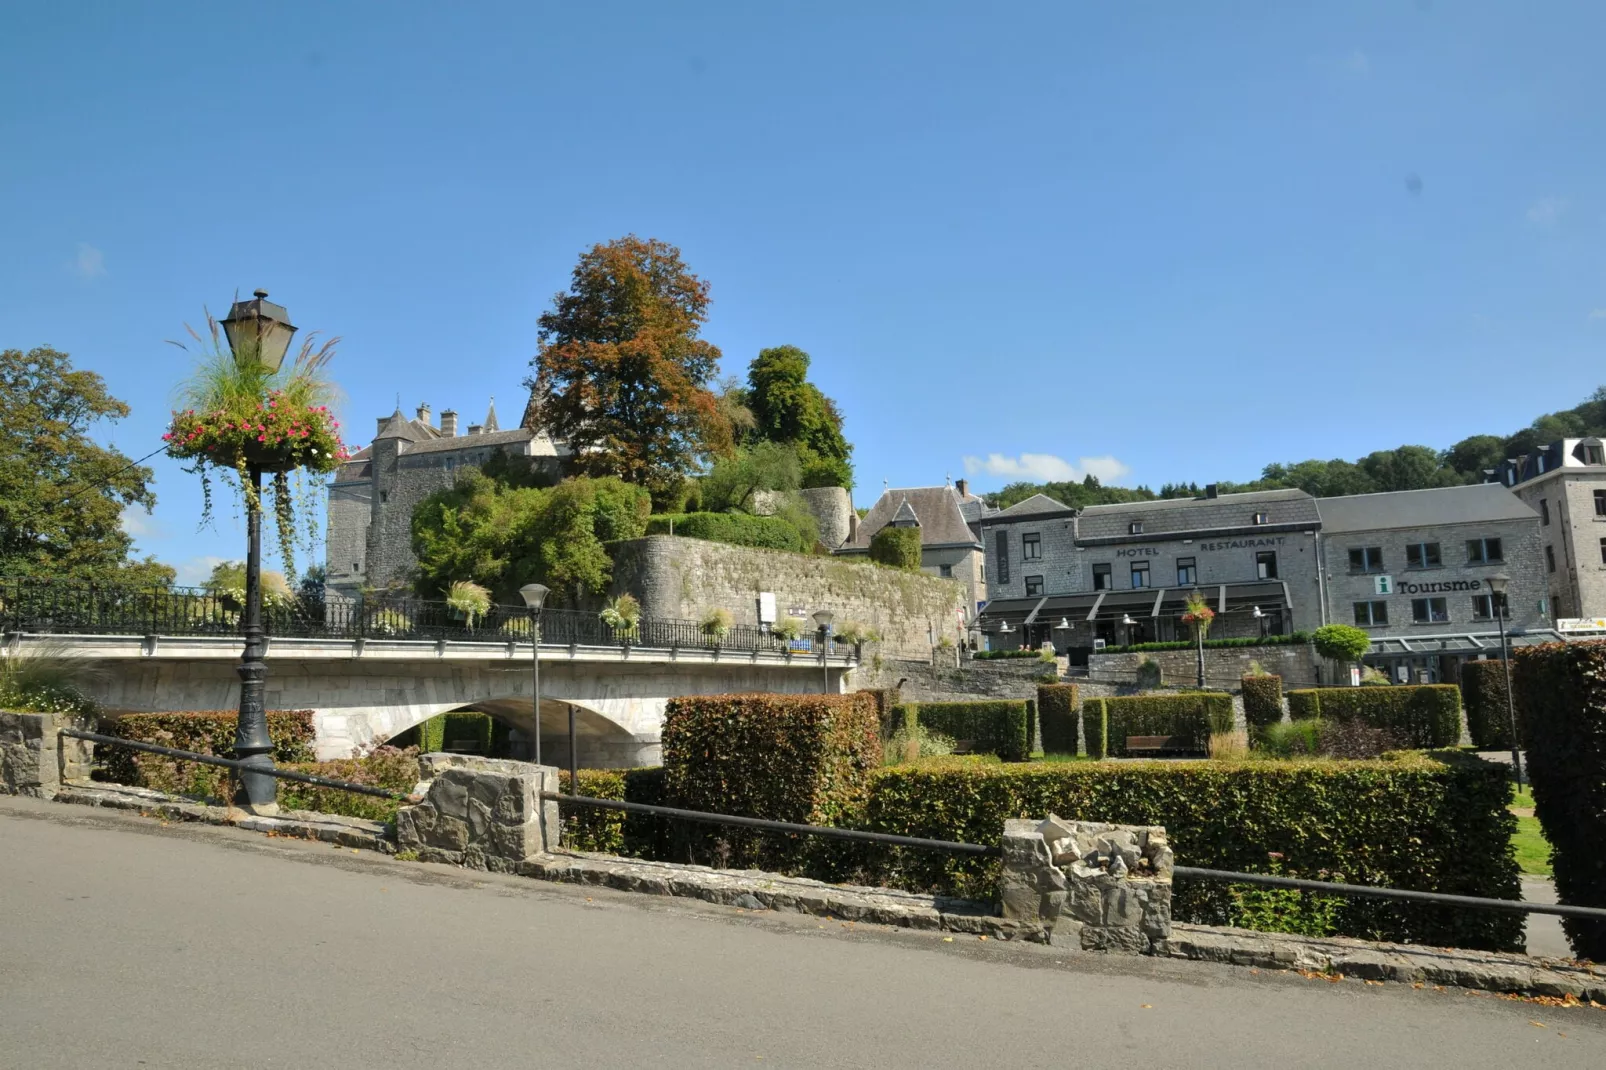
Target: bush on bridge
[
  {"x": 1433, "y": 822},
  {"x": 210, "y": 732},
  {"x": 798, "y": 758}
]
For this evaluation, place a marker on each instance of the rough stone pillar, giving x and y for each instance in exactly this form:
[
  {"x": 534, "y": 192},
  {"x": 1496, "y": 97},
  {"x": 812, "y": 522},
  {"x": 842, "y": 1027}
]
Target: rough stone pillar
[
  {"x": 35, "y": 757},
  {"x": 1086, "y": 884},
  {"x": 484, "y": 813}
]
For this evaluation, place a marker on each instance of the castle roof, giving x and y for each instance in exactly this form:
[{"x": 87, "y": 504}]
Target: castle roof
[{"x": 935, "y": 509}]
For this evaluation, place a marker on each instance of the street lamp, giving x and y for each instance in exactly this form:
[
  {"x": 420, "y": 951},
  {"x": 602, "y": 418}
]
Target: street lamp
[
  {"x": 1128, "y": 623},
  {"x": 822, "y": 620},
  {"x": 258, "y": 333},
  {"x": 1498, "y": 605},
  {"x": 534, "y": 595}
]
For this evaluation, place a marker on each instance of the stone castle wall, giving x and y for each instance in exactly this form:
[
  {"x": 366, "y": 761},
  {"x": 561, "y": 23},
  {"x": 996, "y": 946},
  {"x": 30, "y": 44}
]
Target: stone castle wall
[
  {"x": 1224, "y": 666},
  {"x": 681, "y": 578}
]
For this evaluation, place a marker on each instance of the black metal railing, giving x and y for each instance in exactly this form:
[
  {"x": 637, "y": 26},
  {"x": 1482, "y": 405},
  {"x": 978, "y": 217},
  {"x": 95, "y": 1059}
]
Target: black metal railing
[{"x": 59, "y": 608}]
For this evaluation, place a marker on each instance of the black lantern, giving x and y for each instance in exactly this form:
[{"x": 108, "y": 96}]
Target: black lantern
[{"x": 259, "y": 330}]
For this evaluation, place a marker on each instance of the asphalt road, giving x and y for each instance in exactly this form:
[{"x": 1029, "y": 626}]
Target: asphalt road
[{"x": 125, "y": 943}]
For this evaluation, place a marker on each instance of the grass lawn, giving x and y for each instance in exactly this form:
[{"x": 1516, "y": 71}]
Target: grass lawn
[{"x": 1533, "y": 850}]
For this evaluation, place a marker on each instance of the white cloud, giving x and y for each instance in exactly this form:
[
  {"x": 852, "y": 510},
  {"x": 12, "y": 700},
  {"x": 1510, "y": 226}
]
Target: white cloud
[
  {"x": 138, "y": 523},
  {"x": 196, "y": 570},
  {"x": 1547, "y": 211},
  {"x": 1046, "y": 468},
  {"x": 90, "y": 263},
  {"x": 1597, "y": 313}
]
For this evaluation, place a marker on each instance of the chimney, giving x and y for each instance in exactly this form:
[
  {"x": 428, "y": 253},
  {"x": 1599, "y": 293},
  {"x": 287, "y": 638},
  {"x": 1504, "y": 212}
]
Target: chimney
[
  {"x": 853, "y": 524},
  {"x": 424, "y": 415},
  {"x": 475, "y": 429},
  {"x": 963, "y": 487},
  {"x": 1212, "y": 490},
  {"x": 381, "y": 421},
  {"x": 449, "y": 423}
]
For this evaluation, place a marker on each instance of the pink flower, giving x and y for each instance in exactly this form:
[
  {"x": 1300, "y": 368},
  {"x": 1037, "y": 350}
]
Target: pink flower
[
  {"x": 262, "y": 438},
  {"x": 167, "y": 437}
]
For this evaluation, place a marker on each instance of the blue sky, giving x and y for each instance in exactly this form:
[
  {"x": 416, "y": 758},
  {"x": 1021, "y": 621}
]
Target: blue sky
[{"x": 1158, "y": 242}]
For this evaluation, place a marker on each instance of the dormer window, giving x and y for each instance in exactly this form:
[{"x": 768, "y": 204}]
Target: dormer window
[
  {"x": 1262, "y": 518},
  {"x": 1590, "y": 453},
  {"x": 1135, "y": 528}
]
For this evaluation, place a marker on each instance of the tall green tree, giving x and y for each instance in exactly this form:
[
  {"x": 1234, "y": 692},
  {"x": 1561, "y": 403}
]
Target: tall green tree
[
  {"x": 790, "y": 410},
  {"x": 62, "y": 495},
  {"x": 622, "y": 373}
]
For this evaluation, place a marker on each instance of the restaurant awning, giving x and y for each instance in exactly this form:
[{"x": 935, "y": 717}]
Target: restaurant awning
[{"x": 1139, "y": 602}]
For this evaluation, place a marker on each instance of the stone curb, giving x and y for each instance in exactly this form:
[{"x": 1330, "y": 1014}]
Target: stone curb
[
  {"x": 1490, "y": 971},
  {"x": 330, "y": 828},
  {"x": 757, "y": 890}
]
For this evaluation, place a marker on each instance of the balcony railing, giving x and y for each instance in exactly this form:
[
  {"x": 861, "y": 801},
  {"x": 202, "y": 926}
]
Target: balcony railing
[{"x": 58, "y": 608}]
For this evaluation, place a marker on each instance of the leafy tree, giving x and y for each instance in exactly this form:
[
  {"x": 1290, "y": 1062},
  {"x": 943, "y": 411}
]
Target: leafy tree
[
  {"x": 762, "y": 466},
  {"x": 622, "y": 374},
  {"x": 896, "y": 548},
  {"x": 61, "y": 495},
  {"x": 789, "y": 409},
  {"x": 503, "y": 536},
  {"x": 1341, "y": 642},
  {"x": 1407, "y": 468},
  {"x": 1474, "y": 455}
]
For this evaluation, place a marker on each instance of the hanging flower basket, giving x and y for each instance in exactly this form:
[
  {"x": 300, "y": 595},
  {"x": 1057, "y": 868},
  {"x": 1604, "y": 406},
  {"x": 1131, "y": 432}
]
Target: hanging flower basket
[{"x": 1199, "y": 614}]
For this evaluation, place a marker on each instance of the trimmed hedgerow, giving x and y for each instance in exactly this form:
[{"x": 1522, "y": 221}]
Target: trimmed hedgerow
[
  {"x": 1263, "y": 700},
  {"x": 612, "y": 832},
  {"x": 887, "y": 704},
  {"x": 1483, "y": 693},
  {"x": 1057, "y": 707},
  {"x": 996, "y": 726},
  {"x": 386, "y": 767},
  {"x": 1007, "y": 655},
  {"x": 1561, "y": 691},
  {"x": 1424, "y": 715},
  {"x": 1294, "y": 639},
  {"x": 1188, "y": 717},
  {"x": 1435, "y": 822},
  {"x": 735, "y": 529},
  {"x": 800, "y": 758},
  {"x": 1096, "y": 727},
  {"x": 207, "y": 732}
]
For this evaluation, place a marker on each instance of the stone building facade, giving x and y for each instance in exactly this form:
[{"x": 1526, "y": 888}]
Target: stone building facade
[
  {"x": 372, "y": 496},
  {"x": 1405, "y": 565},
  {"x": 950, "y": 537},
  {"x": 1565, "y": 483}
]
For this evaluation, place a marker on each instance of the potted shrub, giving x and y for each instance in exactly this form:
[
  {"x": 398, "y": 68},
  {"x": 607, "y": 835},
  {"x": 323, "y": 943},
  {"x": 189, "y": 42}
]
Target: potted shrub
[
  {"x": 717, "y": 624},
  {"x": 237, "y": 417},
  {"x": 468, "y": 601},
  {"x": 623, "y": 615},
  {"x": 789, "y": 629}
]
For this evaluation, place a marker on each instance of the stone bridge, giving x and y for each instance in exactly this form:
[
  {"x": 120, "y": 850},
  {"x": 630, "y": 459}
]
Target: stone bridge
[{"x": 367, "y": 691}]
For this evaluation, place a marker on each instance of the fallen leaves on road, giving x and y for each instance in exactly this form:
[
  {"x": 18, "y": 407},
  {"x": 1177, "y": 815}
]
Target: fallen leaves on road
[
  {"x": 947, "y": 939},
  {"x": 1148, "y": 1006}
]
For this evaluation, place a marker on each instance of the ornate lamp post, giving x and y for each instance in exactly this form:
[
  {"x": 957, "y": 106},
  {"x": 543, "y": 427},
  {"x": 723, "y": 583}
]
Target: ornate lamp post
[
  {"x": 259, "y": 332},
  {"x": 1498, "y": 605},
  {"x": 822, "y": 620},
  {"x": 534, "y": 595}
]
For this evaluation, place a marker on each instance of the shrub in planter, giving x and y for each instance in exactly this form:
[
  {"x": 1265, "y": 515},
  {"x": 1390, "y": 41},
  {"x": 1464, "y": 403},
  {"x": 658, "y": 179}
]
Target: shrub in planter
[
  {"x": 210, "y": 732},
  {"x": 623, "y": 616},
  {"x": 800, "y": 758},
  {"x": 1057, "y": 709},
  {"x": 1189, "y": 717},
  {"x": 468, "y": 600},
  {"x": 1002, "y": 726},
  {"x": 717, "y": 624},
  {"x": 789, "y": 628},
  {"x": 1263, "y": 700},
  {"x": 1149, "y": 675},
  {"x": 1483, "y": 692},
  {"x": 1426, "y": 715},
  {"x": 1430, "y": 822},
  {"x": 1341, "y": 642},
  {"x": 1561, "y": 691}
]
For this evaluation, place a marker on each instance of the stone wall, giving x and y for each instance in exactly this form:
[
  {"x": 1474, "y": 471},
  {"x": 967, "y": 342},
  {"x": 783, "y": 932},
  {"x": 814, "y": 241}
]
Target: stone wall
[
  {"x": 1224, "y": 666},
  {"x": 35, "y": 757},
  {"x": 484, "y": 813},
  {"x": 684, "y": 579},
  {"x": 1089, "y": 885},
  {"x": 945, "y": 677},
  {"x": 831, "y": 507}
]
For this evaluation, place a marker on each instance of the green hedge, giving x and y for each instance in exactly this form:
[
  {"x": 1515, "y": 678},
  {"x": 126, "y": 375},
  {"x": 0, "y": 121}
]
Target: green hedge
[
  {"x": 801, "y": 758},
  {"x": 1263, "y": 700},
  {"x": 1429, "y": 822},
  {"x": 612, "y": 832},
  {"x": 1006, "y": 655},
  {"x": 736, "y": 529},
  {"x": 1425, "y": 715},
  {"x": 1294, "y": 639},
  {"x": 209, "y": 732},
  {"x": 1483, "y": 692},
  {"x": 1561, "y": 690},
  {"x": 888, "y": 708},
  {"x": 1096, "y": 726},
  {"x": 386, "y": 767},
  {"x": 997, "y": 726},
  {"x": 1190, "y": 716},
  {"x": 896, "y": 548},
  {"x": 1057, "y": 707},
  {"x": 443, "y": 728}
]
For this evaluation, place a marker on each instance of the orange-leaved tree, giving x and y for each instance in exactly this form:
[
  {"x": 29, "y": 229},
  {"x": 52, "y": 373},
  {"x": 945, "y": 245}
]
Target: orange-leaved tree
[{"x": 622, "y": 374}]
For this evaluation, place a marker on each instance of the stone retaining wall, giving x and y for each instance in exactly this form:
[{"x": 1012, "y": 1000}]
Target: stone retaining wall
[{"x": 1224, "y": 666}]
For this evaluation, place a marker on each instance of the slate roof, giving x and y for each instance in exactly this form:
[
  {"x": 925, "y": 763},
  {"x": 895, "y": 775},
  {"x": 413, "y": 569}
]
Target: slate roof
[
  {"x": 472, "y": 442},
  {"x": 942, "y": 523},
  {"x": 1284, "y": 508},
  {"x": 905, "y": 516},
  {"x": 1037, "y": 505},
  {"x": 1479, "y": 502}
]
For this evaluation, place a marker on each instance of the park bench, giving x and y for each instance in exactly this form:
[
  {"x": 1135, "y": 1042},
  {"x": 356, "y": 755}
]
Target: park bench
[
  {"x": 964, "y": 746},
  {"x": 1153, "y": 744}
]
